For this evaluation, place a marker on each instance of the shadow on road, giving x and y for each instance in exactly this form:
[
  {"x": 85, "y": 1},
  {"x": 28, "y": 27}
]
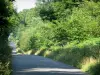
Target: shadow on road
[{"x": 37, "y": 65}]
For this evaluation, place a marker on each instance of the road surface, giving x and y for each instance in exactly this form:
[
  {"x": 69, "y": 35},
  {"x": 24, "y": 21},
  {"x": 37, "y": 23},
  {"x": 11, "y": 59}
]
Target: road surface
[{"x": 37, "y": 65}]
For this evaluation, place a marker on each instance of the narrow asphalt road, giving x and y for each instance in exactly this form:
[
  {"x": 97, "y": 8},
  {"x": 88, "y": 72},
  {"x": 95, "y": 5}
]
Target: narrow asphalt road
[{"x": 37, "y": 65}]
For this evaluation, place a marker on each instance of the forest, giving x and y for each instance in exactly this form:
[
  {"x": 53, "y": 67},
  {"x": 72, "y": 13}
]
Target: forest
[{"x": 63, "y": 30}]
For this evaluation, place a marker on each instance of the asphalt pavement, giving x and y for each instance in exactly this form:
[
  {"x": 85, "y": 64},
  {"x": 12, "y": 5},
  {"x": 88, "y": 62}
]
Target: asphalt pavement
[{"x": 38, "y": 65}]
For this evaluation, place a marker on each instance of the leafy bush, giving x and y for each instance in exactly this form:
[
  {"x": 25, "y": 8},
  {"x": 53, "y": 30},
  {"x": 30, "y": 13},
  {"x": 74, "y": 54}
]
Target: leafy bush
[
  {"x": 95, "y": 69},
  {"x": 6, "y": 11}
]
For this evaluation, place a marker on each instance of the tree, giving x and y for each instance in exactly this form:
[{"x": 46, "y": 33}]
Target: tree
[{"x": 6, "y": 11}]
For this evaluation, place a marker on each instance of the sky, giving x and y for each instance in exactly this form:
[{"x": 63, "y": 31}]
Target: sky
[{"x": 24, "y": 4}]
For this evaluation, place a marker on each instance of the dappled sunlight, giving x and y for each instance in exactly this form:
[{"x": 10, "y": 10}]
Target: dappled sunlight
[
  {"x": 50, "y": 69},
  {"x": 54, "y": 70}
]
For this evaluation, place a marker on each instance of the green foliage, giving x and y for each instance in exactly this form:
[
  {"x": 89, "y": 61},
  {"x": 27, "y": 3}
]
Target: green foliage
[
  {"x": 6, "y": 11},
  {"x": 5, "y": 68},
  {"x": 95, "y": 69}
]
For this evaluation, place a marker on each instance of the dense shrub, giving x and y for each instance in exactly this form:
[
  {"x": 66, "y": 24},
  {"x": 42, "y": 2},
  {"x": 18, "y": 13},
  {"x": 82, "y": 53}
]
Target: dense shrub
[{"x": 95, "y": 69}]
